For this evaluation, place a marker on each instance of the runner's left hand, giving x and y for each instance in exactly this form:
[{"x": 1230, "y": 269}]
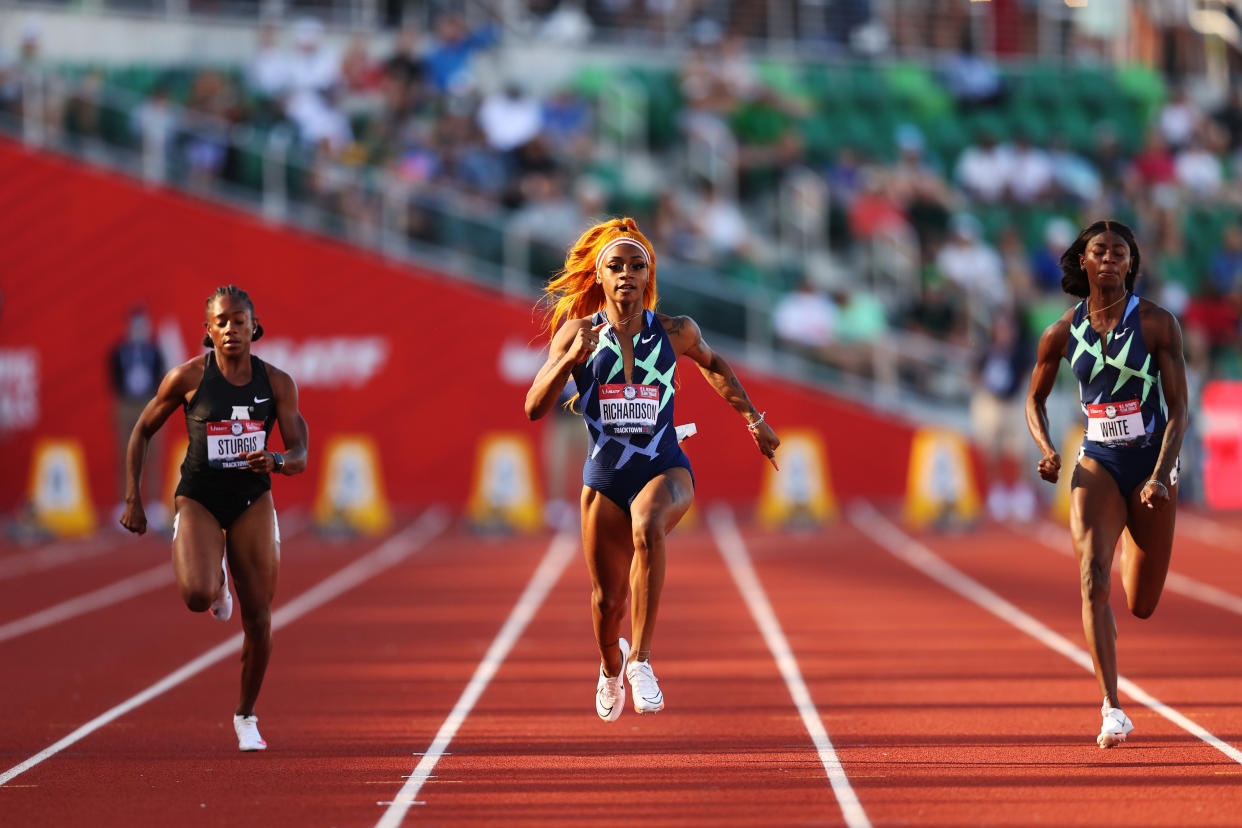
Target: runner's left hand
[
  {"x": 261, "y": 462},
  {"x": 767, "y": 442}
]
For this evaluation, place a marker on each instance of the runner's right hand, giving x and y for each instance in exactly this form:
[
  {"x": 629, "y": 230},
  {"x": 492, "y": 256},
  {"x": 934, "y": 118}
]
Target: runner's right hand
[{"x": 134, "y": 518}]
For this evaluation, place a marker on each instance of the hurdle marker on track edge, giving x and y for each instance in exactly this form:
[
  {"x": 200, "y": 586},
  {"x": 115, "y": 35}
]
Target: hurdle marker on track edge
[
  {"x": 733, "y": 550},
  {"x": 386, "y": 555},
  {"x": 560, "y": 553},
  {"x": 905, "y": 548}
]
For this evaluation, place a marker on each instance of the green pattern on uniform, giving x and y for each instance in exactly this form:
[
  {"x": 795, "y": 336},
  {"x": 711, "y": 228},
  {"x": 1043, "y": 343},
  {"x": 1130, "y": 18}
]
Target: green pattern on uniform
[
  {"x": 1124, "y": 372},
  {"x": 649, "y": 365},
  {"x": 1095, "y": 350}
]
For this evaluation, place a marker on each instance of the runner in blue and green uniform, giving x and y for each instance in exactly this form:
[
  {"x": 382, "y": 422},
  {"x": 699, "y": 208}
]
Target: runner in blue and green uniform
[
  {"x": 1126, "y": 352},
  {"x": 637, "y": 482}
]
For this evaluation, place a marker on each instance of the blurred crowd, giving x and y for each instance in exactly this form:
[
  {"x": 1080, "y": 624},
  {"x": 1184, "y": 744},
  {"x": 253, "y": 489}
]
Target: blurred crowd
[{"x": 867, "y": 242}]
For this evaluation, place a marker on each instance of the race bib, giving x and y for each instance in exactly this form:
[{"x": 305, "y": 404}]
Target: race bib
[
  {"x": 628, "y": 409},
  {"x": 1114, "y": 422},
  {"x": 229, "y": 442}
]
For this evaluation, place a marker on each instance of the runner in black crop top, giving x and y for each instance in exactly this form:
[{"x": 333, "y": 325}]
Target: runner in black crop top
[{"x": 225, "y": 518}]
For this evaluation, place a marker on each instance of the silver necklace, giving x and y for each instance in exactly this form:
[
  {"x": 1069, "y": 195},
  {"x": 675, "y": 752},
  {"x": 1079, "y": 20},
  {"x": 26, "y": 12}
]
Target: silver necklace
[{"x": 621, "y": 322}]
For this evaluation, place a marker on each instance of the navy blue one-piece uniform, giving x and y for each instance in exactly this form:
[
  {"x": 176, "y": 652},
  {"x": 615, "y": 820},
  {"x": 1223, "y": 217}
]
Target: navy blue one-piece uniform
[
  {"x": 1123, "y": 407},
  {"x": 630, "y": 424}
]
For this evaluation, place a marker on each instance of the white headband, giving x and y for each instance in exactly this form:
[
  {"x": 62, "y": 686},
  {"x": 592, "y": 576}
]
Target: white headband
[{"x": 599, "y": 260}]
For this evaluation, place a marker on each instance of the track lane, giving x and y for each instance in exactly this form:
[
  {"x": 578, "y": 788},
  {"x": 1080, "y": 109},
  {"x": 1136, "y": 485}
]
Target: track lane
[
  {"x": 944, "y": 715},
  {"x": 352, "y": 685},
  {"x": 729, "y": 749}
]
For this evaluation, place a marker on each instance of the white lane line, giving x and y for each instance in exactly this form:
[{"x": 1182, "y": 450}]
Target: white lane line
[
  {"x": 905, "y": 548},
  {"x": 1057, "y": 539},
  {"x": 57, "y": 554},
  {"x": 386, "y": 555},
  {"x": 558, "y": 556},
  {"x": 733, "y": 550},
  {"x": 1211, "y": 532},
  {"x": 104, "y": 596}
]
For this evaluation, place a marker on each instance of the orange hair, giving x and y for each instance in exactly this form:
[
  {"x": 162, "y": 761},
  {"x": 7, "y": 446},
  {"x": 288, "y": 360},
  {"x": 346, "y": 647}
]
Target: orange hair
[{"x": 572, "y": 291}]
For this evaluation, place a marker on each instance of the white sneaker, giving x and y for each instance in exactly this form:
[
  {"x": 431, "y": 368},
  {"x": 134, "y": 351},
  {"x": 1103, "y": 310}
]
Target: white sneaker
[
  {"x": 646, "y": 687},
  {"x": 222, "y": 607},
  {"x": 610, "y": 690},
  {"x": 1114, "y": 728},
  {"x": 247, "y": 730}
]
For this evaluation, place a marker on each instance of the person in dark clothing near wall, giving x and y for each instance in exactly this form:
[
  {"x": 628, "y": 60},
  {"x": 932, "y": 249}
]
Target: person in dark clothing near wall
[{"x": 136, "y": 366}]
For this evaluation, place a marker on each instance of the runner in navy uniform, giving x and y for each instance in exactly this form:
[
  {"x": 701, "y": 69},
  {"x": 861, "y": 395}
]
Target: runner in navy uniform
[
  {"x": 225, "y": 519},
  {"x": 1127, "y": 355},
  {"x": 637, "y": 482}
]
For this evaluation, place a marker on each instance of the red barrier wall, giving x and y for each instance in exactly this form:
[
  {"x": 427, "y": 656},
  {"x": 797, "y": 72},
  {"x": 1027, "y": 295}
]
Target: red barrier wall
[{"x": 421, "y": 362}]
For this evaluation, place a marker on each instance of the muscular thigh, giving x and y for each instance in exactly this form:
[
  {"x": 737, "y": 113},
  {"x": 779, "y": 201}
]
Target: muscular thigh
[
  {"x": 254, "y": 550},
  {"x": 1097, "y": 510},
  {"x": 665, "y": 500},
  {"x": 607, "y": 539},
  {"x": 198, "y": 543},
  {"x": 1149, "y": 534}
]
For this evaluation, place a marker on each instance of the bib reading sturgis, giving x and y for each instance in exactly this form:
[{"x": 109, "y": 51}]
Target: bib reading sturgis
[
  {"x": 225, "y": 422},
  {"x": 625, "y": 420},
  {"x": 1122, "y": 403}
]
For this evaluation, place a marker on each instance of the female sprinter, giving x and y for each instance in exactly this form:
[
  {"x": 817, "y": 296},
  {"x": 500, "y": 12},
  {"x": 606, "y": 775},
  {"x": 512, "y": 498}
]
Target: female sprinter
[
  {"x": 1127, "y": 355},
  {"x": 637, "y": 482},
  {"x": 224, "y": 511}
]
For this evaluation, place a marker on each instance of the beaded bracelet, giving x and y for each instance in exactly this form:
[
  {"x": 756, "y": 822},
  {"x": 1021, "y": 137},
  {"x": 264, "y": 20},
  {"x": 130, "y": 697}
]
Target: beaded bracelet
[
  {"x": 753, "y": 426},
  {"x": 1157, "y": 482}
]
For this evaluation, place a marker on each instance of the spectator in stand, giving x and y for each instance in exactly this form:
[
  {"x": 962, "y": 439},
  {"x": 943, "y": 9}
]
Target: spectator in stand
[
  {"x": 1018, "y": 277},
  {"x": 155, "y": 125},
  {"x": 1229, "y": 118},
  {"x": 16, "y": 73},
  {"x": 923, "y": 194},
  {"x": 1199, "y": 171},
  {"x": 1179, "y": 119},
  {"x": 972, "y": 80},
  {"x": 1210, "y": 325},
  {"x": 938, "y": 311},
  {"x": 509, "y": 117},
  {"x": 567, "y": 126},
  {"x": 269, "y": 72},
  {"x": 805, "y": 319},
  {"x": 361, "y": 78},
  {"x": 719, "y": 224},
  {"x": 82, "y": 111},
  {"x": 1225, "y": 269},
  {"x": 861, "y": 346},
  {"x": 973, "y": 266},
  {"x": 448, "y": 60},
  {"x": 1074, "y": 178},
  {"x": 875, "y": 212},
  {"x": 1046, "y": 274},
  {"x": 211, "y": 109},
  {"x": 314, "y": 68},
  {"x": 1155, "y": 164},
  {"x": 1031, "y": 171},
  {"x": 985, "y": 169}
]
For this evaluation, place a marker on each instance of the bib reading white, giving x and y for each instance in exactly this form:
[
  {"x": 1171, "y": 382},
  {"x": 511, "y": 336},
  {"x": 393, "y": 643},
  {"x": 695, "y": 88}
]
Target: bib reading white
[
  {"x": 1114, "y": 422},
  {"x": 628, "y": 409},
  {"x": 229, "y": 442}
]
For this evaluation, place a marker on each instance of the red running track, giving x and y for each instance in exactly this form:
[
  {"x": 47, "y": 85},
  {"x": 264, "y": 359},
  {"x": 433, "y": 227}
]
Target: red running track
[{"x": 940, "y": 712}]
